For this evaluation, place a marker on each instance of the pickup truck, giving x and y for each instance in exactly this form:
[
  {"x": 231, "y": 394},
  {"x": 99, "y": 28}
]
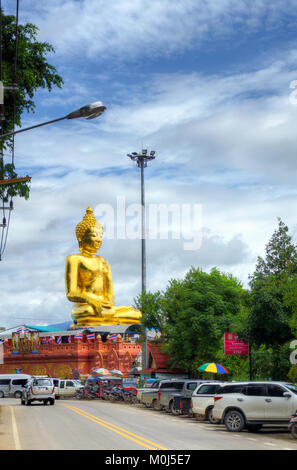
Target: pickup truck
[
  {"x": 66, "y": 388},
  {"x": 180, "y": 402},
  {"x": 151, "y": 383},
  {"x": 153, "y": 396},
  {"x": 148, "y": 396},
  {"x": 182, "y": 388}
]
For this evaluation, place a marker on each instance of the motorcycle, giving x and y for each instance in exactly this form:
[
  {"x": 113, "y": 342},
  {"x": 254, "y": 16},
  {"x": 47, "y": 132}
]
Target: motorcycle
[
  {"x": 87, "y": 394},
  {"x": 116, "y": 394},
  {"x": 130, "y": 397},
  {"x": 293, "y": 425}
]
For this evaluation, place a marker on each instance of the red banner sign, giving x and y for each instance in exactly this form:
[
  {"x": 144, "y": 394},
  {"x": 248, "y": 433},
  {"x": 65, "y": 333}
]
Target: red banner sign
[{"x": 233, "y": 346}]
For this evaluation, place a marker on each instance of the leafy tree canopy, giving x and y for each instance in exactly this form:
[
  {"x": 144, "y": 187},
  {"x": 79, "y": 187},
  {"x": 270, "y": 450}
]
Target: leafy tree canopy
[
  {"x": 198, "y": 310},
  {"x": 33, "y": 72}
]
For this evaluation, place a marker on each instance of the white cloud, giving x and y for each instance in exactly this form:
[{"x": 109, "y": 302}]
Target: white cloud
[
  {"x": 101, "y": 29},
  {"x": 225, "y": 142}
]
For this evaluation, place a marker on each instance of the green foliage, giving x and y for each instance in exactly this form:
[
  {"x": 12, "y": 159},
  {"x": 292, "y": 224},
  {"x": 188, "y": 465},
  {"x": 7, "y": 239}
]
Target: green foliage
[
  {"x": 273, "y": 302},
  {"x": 193, "y": 313},
  {"x": 20, "y": 188},
  {"x": 199, "y": 310},
  {"x": 33, "y": 72},
  {"x": 150, "y": 306}
]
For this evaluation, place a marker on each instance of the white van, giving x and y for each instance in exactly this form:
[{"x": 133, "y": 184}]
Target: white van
[
  {"x": 4, "y": 385},
  {"x": 17, "y": 384}
]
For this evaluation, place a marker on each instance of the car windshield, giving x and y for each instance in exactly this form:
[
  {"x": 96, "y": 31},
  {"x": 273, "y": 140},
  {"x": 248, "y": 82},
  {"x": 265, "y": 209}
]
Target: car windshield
[
  {"x": 43, "y": 382},
  {"x": 292, "y": 388}
]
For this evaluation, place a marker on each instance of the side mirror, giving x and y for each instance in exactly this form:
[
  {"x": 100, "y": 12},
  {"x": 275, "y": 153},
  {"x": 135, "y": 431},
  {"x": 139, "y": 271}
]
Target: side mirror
[{"x": 287, "y": 394}]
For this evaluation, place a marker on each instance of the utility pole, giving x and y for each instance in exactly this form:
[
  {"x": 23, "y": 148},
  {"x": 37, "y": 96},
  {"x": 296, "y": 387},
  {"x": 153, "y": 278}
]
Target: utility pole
[{"x": 141, "y": 159}]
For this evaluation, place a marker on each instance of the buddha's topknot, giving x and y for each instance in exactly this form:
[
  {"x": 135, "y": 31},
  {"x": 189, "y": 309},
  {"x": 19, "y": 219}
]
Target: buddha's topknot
[{"x": 88, "y": 222}]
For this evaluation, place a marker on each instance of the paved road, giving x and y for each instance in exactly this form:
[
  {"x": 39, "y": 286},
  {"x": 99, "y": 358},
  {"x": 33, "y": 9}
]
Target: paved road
[{"x": 98, "y": 425}]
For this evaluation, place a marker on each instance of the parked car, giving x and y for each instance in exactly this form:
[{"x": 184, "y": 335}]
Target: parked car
[
  {"x": 17, "y": 384},
  {"x": 39, "y": 389},
  {"x": 251, "y": 404},
  {"x": 182, "y": 388},
  {"x": 66, "y": 388},
  {"x": 182, "y": 400},
  {"x": 4, "y": 385},
  {"x": 149, "y": 397},
  {"x": 202, "y": 401},
  {"x": 151, "y": 383}
]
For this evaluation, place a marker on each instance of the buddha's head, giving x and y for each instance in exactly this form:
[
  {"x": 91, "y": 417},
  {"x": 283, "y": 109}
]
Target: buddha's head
[{"x": 89, "y": 232}]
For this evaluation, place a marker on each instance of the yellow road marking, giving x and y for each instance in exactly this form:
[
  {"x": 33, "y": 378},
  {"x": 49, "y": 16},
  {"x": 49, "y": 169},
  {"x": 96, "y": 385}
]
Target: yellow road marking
[
  {"x": 116, "y": 429},
  {"x": 15, "y": 432}
]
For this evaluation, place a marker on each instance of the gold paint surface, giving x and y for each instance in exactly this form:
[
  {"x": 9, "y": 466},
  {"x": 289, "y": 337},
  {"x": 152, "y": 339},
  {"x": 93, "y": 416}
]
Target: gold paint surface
[{"x": 89, "y": 283}]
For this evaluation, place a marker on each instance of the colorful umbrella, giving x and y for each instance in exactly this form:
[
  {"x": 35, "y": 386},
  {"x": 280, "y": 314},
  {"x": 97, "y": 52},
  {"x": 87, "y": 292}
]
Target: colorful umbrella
[
  {"x": 213, "y": 367},
  {"x": 101, "y": 372},
  {"x": 116, "y": 372}
]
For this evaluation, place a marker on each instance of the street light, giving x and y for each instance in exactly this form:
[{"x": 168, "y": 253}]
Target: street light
[
  {"x": 141, "y": 159},
  {"x": 90, "y": 111}
]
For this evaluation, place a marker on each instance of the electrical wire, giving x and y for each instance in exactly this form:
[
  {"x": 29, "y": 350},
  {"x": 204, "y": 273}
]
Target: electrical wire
[{"x": 6, "y": 224}]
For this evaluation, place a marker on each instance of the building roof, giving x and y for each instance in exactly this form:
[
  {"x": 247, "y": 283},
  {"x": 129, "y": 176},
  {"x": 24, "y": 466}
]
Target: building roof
[
  {"x": 63, "y": 329},
  {"x": 158, "y": 361}
]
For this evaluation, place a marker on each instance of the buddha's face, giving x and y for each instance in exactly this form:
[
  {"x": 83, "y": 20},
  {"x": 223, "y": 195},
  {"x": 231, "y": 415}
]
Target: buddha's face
[{"x": 92, "y": 239}]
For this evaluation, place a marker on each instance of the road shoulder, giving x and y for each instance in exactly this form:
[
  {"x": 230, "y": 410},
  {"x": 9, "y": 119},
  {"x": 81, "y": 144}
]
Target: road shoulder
[{"x": 6, "y": 431}]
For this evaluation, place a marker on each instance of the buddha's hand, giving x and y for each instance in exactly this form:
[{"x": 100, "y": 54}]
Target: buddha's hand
[
  {"x": 106, "y": 304},
  {"x": 97, "y": 305}
]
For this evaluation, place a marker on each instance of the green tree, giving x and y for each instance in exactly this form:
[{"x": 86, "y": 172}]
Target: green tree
[
  {"x": 33, "y": 72},
  {"x": 272, "y": 315},
  {"x": 199, "y": 309},
  {"x": 152, "y": 314}
]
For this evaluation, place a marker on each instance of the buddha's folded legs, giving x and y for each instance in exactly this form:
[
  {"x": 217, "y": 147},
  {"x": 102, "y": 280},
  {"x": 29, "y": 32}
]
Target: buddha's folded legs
[
  {"x": 125, "y": 315},
  {"x": 85, "y": 314}
]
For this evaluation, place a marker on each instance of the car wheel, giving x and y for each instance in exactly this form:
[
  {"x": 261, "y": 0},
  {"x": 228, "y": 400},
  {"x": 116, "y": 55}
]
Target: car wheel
[
  {"x": 172, "y": 410},
  {"x": 1, "y": 394},
  {"x": 52, "y": 401},
  {"x": 294, "y": 431},
  {"x": 147, "y": 405},
  {"x": 234, "y": 421},
  {"x": 22, "y": 401},
  {"x": 17, "y": 394},
  {"x": 254, "y": 427},
  {"x": 156, "y": 406},
  {"x": 199, "y": 417},
  {"x": 28, "y": 402},
  {"x": 210, "y": 418}
]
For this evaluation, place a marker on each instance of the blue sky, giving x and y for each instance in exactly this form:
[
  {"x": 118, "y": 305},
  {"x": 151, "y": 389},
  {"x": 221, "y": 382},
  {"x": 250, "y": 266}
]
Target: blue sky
[{"x": 206, "y": 84}]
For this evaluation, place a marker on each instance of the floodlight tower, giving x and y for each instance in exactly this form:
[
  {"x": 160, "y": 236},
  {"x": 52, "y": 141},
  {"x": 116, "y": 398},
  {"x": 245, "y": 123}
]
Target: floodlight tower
[{"x": 141, "y": 159}]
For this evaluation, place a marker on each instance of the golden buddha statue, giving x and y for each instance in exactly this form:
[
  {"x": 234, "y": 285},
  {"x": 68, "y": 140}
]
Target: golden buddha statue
[{"x": 89, "y": 281}]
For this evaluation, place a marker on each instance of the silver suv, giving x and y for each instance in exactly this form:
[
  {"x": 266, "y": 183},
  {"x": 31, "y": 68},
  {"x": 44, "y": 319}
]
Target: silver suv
[
  {"x": 251, "y": 404},
  {"x": 39, "y": 389}
]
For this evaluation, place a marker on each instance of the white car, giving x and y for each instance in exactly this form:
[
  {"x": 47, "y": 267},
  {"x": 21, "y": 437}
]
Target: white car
[
  {"x": 251, "y": 404},
  {"x": 202, "y": 401}
]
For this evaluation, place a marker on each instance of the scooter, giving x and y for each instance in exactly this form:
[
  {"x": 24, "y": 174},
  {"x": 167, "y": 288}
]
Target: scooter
[
  {"x": 293, "y": 425},
  {"x": 116, "y": 394},
  {"x": 130, "y": 397}
]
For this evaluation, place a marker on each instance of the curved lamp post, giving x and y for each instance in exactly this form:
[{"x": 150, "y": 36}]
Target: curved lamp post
[{"x": 89, "y": 111}]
